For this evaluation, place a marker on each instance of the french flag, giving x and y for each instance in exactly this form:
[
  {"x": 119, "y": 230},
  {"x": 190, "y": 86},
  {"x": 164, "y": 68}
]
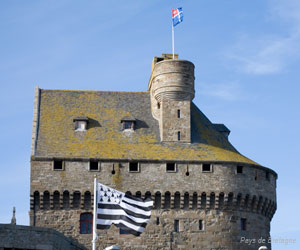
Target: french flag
[{"x": 177, "y": 16}]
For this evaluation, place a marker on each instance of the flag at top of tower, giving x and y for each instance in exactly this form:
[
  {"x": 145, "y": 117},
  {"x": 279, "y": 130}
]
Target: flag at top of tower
[{"x": 177, "y": 16}]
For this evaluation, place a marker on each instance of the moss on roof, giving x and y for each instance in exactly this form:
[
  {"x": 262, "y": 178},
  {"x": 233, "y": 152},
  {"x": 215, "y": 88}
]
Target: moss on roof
[{"x": 105, "y": 139}]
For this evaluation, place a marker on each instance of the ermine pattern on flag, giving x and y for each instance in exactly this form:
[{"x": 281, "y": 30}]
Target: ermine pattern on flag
[
  {"x": 129, "y": 213},
  {"x": 177, "y": 16}
]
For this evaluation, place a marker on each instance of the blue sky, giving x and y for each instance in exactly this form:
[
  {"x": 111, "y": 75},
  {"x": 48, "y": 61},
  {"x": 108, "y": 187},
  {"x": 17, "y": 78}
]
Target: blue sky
[{"x": 246, "y": 54}]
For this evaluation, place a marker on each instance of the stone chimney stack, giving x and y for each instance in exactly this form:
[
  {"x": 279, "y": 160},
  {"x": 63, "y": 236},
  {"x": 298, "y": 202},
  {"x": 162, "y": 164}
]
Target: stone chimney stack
[{"x": 172, "y": 90}]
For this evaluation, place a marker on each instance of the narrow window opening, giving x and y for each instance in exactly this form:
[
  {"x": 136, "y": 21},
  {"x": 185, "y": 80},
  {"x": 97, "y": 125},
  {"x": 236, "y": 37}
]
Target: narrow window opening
[
  {"x": 56, "y": 200},
  {"x": 171, "y": 167},
  {"x": 178, "y": 113},
  {"x": 134, "y": 167},
  {"x": 186, "y": 201},
  {"x": 58, "y": 165},
  {"x": 203, "y": 200},
  {"x": 66, "y": 200},
  {"x": 239, "y": 169},
  {"x": 94, "y": 165},
  {"x": 158, "y": 105},
  {"x": 167, "y": 204},
  {"x": 176, "y": 225},
  {"x": 243, "y": 224},
  {"x": 148, "y": 195},
  {"x": 212, "y": 200},
  {"x": 86, "y": 223},
  {"x": 201, "y": 225},
  {"x": 87, "y": 200},
  {"x": 267, "y": 176},
  {"x": 238, "y": 200},
  {"x": 177, "y": 200},
  {"x": 178, "y": 135},
  {"x": 246, "y": 201},
  {"x": 76, "y": 199},
  {"x": 157, "y": 200},
  {"x": 206, "y": 168},
  {"x": 221, "y": 200},
  {"x": 195, "y": 200},
  {"x": 36, "y": 200},
  {"x": 256, "y": 174},
  {"x": 46, "y": 200},
  {"x": 230, "y": 200},
  {"x": 157, "y": 220}
]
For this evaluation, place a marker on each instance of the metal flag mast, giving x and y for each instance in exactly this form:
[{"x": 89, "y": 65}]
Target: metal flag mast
[
  {"x": 95, "y": 236},
  {"x": 177, "y": 17},
  {"x": 173, "y": 43}
]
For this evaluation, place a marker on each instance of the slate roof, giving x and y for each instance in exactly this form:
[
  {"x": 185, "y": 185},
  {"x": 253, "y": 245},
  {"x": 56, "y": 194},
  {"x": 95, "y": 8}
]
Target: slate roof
[{"x": 105, "y": 139}]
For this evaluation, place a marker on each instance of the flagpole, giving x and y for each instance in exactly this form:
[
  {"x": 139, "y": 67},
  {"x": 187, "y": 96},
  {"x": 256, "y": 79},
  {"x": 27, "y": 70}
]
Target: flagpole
[
  {"x": 173, "y": 41},
  {"x": 95, "y": 237}
]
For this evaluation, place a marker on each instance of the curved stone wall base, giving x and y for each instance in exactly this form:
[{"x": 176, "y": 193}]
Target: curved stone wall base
[{"x": 220, "y": 230}]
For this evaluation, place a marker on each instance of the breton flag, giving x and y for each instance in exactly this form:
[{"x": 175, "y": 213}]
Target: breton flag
[
  {"x": 177, "y": 16},
  {"x": 129, "y": 213}
]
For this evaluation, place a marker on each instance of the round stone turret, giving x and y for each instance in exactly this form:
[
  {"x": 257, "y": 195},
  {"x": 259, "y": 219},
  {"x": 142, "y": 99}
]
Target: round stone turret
[
  {"x": 172, "y": 90},
  {"x": 173, "y": 80}
]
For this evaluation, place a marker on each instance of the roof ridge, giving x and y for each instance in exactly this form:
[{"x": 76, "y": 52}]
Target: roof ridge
[{"x": 105, "y": 91}]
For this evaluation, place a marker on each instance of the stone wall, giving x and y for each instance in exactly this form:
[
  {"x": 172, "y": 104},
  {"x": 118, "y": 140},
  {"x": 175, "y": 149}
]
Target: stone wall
[
  {"x": 172, "y": 88},
  {"x": 24, "y": 237},
  {"x": 221, "y": 198}
]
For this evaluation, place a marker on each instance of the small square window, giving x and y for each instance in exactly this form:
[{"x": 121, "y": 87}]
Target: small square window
[
  {"x": 206, "y": 168},
  {"x": 58, "y": 165},
  {"x": 201, "y": 225},
  {"x": 171, "y": 167},
  {"x": 134, "y": 167},
  {"x": 94, "y": 165},
  {"x": 80, "y": 125},
  {"x": 239, "y": 169},
  {"x": 243, "y": 224},
  {"x": 128, "y": 125}
]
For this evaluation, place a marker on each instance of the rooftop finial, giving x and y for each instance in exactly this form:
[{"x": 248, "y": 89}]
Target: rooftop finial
[{"x": 13, "y": 219}]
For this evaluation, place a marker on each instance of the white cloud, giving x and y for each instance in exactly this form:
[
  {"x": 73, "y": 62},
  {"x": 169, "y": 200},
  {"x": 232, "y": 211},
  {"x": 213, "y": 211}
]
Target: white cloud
[
  {"x": 227, "y": 91},
  {"x": 270, "y": 53}
]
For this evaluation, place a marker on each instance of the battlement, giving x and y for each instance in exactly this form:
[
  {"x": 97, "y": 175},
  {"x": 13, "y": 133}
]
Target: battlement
[{"x": 167, "y": 201}]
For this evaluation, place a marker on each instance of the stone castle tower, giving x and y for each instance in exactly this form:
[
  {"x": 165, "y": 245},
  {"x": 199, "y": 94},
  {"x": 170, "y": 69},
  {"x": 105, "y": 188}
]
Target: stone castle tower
[{"x": 155, "y": 143}]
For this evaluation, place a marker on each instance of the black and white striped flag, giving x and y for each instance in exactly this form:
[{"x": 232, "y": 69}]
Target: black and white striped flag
[{"x": 129, "y": 213}]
